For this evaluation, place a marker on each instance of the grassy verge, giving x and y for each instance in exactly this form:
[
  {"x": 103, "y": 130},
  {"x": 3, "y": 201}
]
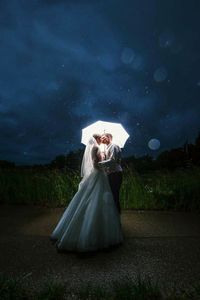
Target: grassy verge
[
  {"x": 179, "y": 190},
  {"x": 140, "y": 289}
]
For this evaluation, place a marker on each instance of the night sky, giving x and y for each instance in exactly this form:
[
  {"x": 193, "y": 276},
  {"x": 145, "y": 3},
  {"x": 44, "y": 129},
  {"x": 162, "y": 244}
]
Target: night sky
[{"x": 65, "y": 64}]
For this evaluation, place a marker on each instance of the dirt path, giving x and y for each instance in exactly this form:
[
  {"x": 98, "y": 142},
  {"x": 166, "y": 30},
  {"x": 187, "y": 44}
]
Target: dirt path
[{"x": 162, "y": 245}]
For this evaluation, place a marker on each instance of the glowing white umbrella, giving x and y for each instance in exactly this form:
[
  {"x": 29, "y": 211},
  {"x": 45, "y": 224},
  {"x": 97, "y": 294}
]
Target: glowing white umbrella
[{"x": 118, "y": 132}]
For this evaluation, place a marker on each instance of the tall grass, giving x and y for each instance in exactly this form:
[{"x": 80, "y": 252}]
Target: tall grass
[
  {"x": 179, "y": 189},
  {"x": 49, "y": 187}
]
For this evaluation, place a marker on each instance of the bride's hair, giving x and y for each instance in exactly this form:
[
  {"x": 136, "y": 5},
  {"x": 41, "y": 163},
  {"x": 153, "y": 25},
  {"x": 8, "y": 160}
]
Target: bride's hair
[{"x": 96, "y": 136}]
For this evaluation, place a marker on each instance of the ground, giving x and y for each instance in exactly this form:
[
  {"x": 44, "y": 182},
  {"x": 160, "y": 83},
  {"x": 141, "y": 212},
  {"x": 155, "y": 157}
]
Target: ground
[{"x": 162, "y": 245}]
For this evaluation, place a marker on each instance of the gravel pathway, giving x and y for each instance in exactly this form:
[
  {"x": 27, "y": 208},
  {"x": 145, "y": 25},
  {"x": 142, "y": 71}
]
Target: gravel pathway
[{"x": 162, "y": 245}]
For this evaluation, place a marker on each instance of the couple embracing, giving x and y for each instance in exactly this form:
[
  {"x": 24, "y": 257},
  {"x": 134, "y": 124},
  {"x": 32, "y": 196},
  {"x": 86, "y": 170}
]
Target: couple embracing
[{"x": 92, "y": 219}]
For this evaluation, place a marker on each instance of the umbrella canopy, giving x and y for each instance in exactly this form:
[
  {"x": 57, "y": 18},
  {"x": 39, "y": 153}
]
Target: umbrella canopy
[{"x": 118, "y": 132}]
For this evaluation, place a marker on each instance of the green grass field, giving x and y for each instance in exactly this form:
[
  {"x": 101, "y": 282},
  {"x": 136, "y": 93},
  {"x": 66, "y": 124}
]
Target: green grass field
[{"x": 179, "y": 190}]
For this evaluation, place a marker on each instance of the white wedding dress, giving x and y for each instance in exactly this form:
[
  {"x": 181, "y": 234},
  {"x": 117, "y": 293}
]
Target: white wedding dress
[{"x": 91, "y": 221}]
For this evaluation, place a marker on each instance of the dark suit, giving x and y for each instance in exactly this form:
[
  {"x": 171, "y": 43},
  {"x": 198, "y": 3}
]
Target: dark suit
[
  {"x": 114, "y": 172},
  {"x": 115, "y": 180}
]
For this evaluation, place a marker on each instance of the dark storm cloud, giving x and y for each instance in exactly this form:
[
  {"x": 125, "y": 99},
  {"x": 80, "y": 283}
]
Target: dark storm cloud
[{"x": 65, "y": 64}]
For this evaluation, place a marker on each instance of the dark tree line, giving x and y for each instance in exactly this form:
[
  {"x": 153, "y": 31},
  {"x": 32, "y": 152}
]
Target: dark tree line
[
  {"x": 183, "y": 157},
  {"x": 71, "y": 161}
]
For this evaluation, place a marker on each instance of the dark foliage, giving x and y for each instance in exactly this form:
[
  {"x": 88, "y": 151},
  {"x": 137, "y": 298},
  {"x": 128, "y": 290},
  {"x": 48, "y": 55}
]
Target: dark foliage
[{"x": 183, "y": 157}]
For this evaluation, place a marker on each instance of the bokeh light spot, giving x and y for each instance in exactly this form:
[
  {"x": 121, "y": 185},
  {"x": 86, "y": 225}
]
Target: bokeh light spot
[
  {"x": 160, "y": 74},
  {"x": 166, "y": 39},
  {"x": 154, "y": 144},
  {"x": 138, "y": 63},
  {"x": 127, "y": 55}
]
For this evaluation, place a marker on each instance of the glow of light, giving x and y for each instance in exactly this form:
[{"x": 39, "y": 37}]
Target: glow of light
[
  {"x": 102, "y": 147},
  {"x": 154, "y": 144},
  {"x": 100, "y": 127}
]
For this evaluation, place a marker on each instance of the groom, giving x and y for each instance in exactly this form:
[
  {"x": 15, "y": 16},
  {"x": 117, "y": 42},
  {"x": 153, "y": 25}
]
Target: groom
[{"x": 113, "y": 167}]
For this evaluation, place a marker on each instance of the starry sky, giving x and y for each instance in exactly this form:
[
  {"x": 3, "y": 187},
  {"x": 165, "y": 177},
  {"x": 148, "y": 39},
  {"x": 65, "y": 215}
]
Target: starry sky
[{"x": 65, "y": 64}]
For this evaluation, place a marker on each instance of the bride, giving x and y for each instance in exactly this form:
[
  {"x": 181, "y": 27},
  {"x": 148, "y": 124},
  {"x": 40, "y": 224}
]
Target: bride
[{"x": 91, "y": 220}]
